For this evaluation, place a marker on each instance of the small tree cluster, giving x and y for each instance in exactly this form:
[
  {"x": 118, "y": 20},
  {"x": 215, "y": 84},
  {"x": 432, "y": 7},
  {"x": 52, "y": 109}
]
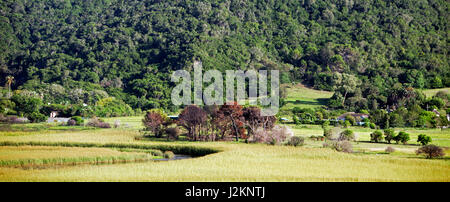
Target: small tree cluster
[{"x": 226, "y": 122}]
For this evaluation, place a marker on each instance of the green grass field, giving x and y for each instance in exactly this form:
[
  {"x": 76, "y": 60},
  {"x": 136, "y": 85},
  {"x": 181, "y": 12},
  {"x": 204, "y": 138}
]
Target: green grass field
[
  {"x": 234, "y": 162},
  {"x": 301, "y": 96},
  {"x": 431, "y": 92}
]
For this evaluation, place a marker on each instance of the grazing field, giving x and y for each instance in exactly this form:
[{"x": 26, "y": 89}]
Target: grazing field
[
  {"x": 304, "y": 97},
  {"x": 431, "y": 92},
  {"x": 233, "y": 162}
]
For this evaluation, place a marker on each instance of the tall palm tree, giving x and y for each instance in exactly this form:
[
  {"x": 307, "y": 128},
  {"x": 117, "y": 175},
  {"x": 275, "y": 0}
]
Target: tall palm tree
[{"x": 9, "y": 81}]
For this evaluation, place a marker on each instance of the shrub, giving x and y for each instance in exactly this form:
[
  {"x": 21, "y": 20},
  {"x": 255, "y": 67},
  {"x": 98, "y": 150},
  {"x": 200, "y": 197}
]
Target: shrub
[
  {"x": 78, "y": 120},
  {"x": 431, "y": 151},
  {"x": 173, "y": 133},
  {"x": 372, "y": 126},
  {"x": 389, "y": 149},
  {"x": 342, "y": 146},
  {"x": 376, "y": 136},
  {"x": 71, "y": 122},
  {"x": 275, "y": 137},
  {"x": 347, "y": 135},
  {"x": 402, "y": 137},
  {"x": 279, "y": 134},
  {"x": 11, "y": 119},
  {"x": 37, "y": 117},
  {"x": 424, "y": 139},
  {"x": 96, "y": 122},
  {"x": 296, "y": 141},
  {"x": 169, "y": 155},
  {"x": 389, "y": 135},
  {"x": 259, "y": 136}
]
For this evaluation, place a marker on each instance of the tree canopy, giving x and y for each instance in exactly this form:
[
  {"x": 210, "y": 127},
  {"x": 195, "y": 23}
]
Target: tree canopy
[{"x": 82, "y": 51}]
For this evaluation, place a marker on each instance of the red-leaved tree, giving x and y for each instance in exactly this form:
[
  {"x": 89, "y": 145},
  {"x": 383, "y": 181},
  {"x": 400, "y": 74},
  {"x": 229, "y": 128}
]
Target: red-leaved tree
[
  {"x": 193, "y": 118},
  {"x": 155, "y": 121},
  {"x": 232, "y": 119}
]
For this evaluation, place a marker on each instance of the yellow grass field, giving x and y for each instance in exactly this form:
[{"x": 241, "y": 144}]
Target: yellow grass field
[{"x": 235, "y": 162}]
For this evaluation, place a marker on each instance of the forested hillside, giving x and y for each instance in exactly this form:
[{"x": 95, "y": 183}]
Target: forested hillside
[{"x": 73, "y": 51}]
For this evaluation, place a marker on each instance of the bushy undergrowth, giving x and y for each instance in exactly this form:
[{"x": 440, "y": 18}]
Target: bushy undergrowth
[
  {"x": 10, "y": 119},
  {"x": 96, "y": 122},
  {"x": 296, "y": 141},
  {"x": 37, "y": 117},
  {"x": 340, "y": 146},
  {"x": 276, "y": 136}
]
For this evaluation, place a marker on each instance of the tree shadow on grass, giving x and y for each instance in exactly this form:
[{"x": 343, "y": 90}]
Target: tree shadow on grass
[
  {"x": 445, "y": 158},
  {"x": 161, "y": 139},
  {"x": 364, "y": 141},
  {"x": 319, "y": 101}
]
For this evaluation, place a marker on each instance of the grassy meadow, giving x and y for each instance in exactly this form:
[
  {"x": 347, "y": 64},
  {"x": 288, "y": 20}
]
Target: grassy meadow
[
  {"x": 233, "y": 161},
  {"x": 51, "y": 152},
  {"x": 301, "y": 96},
  {"x": 432, "y": 92}
]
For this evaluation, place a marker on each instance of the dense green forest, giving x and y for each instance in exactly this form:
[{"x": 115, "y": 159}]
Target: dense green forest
[{"x": 372, "y": 53}]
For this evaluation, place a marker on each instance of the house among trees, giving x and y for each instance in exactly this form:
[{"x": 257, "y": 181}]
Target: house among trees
[
  {"x": 53, "y": 118},
  {"x": 173, "y": 117},
  {"x": 435, "y": 111},
  {"x": 53, "y": 114}
]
